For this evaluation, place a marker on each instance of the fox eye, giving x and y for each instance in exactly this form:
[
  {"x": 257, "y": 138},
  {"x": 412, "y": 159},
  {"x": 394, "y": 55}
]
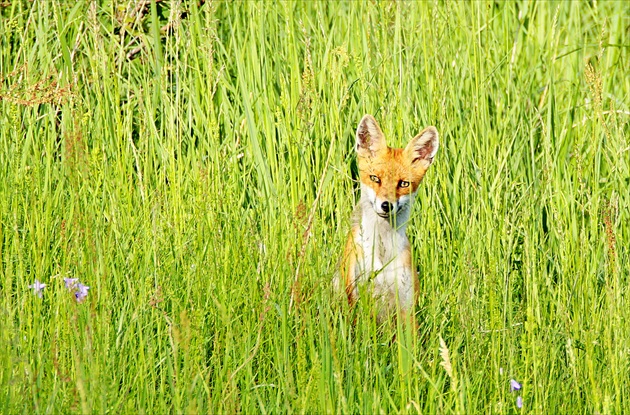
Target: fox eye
[
  {"x": 403, "y": 183},
  {"x": 375, "y": 179}
]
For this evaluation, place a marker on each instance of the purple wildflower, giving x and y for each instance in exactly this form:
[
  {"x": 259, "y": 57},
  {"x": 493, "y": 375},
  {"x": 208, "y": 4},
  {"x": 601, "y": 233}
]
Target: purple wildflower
[
  {"x": 519, "y": 402},
  {"x": 514, "y": 385},
  {"x": 81, "y": 292},
  {"x": 38, "y": 288},
  {"x": 70, "y": 282}
]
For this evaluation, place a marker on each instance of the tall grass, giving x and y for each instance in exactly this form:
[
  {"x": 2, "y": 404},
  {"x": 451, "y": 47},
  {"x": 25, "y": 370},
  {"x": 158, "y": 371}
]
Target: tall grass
[{"x": 193, "y": 165}]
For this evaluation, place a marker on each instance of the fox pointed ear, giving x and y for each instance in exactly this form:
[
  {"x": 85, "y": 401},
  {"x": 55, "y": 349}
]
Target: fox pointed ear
[
  {"x": 423, "y": 147},
  {"x": 370, "y": 138}
]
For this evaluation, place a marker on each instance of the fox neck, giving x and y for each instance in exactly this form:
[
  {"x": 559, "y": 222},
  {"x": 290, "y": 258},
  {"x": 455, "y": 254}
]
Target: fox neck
[{"x": 381, "y": 239}]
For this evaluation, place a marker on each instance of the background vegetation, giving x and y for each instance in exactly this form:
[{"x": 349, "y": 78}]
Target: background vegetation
[{"x": 192, "y": 164}]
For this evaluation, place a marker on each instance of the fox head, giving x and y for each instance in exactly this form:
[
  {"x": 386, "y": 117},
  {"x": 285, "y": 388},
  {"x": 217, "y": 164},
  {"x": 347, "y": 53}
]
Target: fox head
[{"x": 390, "y": 176}]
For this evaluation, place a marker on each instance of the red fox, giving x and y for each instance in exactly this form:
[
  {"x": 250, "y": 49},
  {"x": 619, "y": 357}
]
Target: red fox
[{"x": 377, "y": 251}]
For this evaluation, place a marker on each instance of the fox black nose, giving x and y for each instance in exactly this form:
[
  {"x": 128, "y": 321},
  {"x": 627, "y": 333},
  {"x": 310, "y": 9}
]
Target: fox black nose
[{"x": 386, "y": 206}]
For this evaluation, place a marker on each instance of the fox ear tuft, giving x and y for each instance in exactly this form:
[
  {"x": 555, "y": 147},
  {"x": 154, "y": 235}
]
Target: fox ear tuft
[
  {"x": 370, "y": 138},
  {"x": 423, "y": 147}
]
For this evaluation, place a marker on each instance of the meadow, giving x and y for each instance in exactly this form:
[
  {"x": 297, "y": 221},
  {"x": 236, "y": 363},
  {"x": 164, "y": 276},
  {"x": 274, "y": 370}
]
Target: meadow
[{"x": 192, "y": 163}]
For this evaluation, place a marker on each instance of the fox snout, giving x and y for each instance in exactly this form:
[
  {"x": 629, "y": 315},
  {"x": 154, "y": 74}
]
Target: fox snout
[
  {"x": 384, "y": 206},
  {"x": 387, "y": 209}
]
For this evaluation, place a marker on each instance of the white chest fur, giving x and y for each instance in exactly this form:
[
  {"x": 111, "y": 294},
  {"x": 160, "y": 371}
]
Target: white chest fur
[{"x": 384, "y": 264}]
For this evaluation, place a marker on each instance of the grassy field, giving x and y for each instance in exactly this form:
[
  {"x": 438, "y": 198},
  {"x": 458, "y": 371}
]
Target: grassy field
[{"x": 193, "y": 165}]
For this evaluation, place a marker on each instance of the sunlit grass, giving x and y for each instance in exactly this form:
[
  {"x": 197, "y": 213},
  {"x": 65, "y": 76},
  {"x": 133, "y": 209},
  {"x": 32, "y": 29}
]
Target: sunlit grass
[{"x": 193, "y": 165}]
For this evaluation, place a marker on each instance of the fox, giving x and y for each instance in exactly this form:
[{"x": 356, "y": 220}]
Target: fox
[{"x": 377, "y": 253}]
